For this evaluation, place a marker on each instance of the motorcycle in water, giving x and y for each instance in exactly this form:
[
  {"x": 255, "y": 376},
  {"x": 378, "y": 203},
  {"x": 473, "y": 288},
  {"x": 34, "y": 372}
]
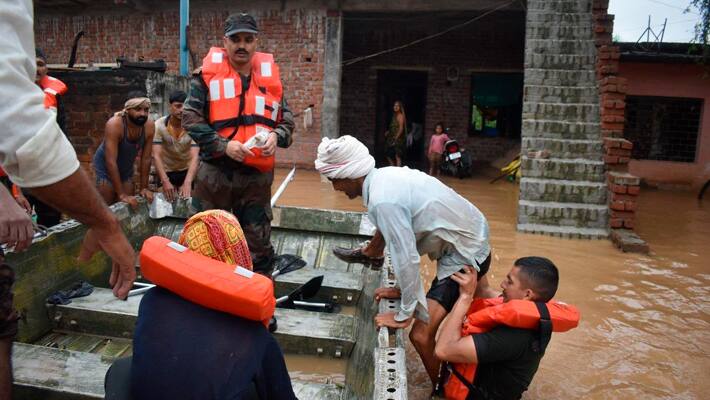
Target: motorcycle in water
[{"x": 455, "y": 160}]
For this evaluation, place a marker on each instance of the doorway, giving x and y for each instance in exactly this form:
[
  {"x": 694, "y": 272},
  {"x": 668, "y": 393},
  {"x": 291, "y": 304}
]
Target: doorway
[{"x": 409, "y": 87}]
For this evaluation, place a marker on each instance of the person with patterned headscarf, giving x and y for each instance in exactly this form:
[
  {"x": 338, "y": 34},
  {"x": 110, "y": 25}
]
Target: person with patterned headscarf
[
  {"x": 217, "y": 234},
  {"x": 128, "y": 133},
  {"x": 182, "y": 350}
]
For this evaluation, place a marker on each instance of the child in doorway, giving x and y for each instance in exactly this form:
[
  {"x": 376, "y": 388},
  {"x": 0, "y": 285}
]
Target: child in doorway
[{"x": 436, "y": 147}]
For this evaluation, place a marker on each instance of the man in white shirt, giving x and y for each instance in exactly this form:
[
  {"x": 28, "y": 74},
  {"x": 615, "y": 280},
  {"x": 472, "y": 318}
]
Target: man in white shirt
[
  {"x": 414, "y": 214},
  {"x": 37, "y": 156}
]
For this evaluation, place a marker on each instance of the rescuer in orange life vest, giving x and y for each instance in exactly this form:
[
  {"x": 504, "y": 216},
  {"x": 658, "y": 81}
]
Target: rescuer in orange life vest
[
  {"x": 237, "y": 115},
  {"x": 495, "y": 353}
]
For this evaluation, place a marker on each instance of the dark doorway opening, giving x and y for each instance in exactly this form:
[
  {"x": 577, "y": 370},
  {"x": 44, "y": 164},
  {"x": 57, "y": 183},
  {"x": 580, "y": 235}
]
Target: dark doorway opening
[{"x": 410, "y": 88}]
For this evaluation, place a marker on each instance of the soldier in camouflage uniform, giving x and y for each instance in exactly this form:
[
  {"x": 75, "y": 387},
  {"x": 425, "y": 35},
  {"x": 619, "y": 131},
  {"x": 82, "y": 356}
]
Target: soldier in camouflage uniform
[{"x": 224, "y": 180}]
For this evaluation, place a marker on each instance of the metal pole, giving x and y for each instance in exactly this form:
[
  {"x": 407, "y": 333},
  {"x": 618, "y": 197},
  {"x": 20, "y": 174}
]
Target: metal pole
[
  {"x": 184, "y": 22},
  {"x": 281, "y": 188}
]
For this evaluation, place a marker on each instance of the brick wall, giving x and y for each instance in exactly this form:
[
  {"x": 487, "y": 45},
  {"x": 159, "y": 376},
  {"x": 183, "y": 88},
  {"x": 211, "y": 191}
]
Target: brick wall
[
  {"x": 295, "y": 37},
  {"x": 623, "y": 187},
  {"x": 91, "y": 100},
  {"x": 494, "y": 43}
]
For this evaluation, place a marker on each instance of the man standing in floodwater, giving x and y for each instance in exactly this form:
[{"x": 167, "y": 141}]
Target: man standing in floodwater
[
  {"x": 414, "y": 214},
  {"x": 237, "y": 114}
]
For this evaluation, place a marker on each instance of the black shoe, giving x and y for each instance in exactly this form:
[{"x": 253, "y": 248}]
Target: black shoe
[
  {"x": 355, "y": 256},
  {"x": 273, "y": 325}
]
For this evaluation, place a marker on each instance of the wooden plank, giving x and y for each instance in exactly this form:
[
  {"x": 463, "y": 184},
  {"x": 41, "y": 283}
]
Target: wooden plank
[
  {"x": 47, "y": 373},
  {"x": 302, "y": 332},
  {"x": 45, "y": 369}
]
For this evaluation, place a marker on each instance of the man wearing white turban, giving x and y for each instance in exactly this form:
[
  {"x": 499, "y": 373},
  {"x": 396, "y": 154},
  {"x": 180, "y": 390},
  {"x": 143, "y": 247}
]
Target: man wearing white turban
[{"x": 414, "y": 214}]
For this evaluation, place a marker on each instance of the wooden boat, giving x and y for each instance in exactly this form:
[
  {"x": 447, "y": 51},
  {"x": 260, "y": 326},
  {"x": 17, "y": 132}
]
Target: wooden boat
[{"x": 64, "y": 351}]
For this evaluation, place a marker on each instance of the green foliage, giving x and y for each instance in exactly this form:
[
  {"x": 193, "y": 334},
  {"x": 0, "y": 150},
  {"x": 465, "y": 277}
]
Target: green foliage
[{"x": 702, "y": 28}]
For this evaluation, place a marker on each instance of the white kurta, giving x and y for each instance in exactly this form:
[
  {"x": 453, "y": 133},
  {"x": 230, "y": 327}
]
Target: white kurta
[
  {"x": 417, "y": 214},
  {"x": 33, "y": 150}
]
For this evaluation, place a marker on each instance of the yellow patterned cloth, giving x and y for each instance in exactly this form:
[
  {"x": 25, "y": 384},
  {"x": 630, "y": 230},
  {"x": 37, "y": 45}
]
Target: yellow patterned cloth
[{"x": 217, "y": 234}]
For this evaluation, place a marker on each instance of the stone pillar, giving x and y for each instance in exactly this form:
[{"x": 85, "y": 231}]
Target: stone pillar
[
  {"x": 330, "y": 119},
  {"x": 563, "y": 190}
]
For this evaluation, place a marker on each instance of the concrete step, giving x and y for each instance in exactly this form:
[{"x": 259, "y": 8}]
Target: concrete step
[
  {"x": 561, "y": 77},
  {"x": 45, "y": 373},
  {"x": 573, "y": 215},
  {"x": 564, "y": 231},
  {"x": 564, "y": 148},
  {"x": 561, "y": 61},
  {"x": 558, "y": 31},
  {"x": 563, "y": 168},
  {"x": 561, "y": 94},
  {"x": 563, "y": 46},
  {"x": 301, "y": 332},
  {"x": 563, "y": 191},
  {"x": 555, "y": 18},
  {"x": 561, "y": 6},
  {"x": 561, "y": 129},
  {"x": 561, "y": 112}
]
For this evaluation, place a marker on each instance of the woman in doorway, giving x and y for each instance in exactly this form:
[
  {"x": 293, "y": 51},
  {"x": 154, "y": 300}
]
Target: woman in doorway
[{"x": 395, "y": 135}]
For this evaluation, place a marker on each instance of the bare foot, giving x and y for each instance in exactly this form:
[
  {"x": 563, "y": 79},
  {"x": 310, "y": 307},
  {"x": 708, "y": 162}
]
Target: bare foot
[
  {"x": 387, "y": 293},
  {"x": 387, "y": 319}
]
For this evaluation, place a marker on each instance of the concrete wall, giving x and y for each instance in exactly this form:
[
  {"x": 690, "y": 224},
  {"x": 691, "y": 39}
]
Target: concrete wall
[
  {"x": 494, "y": 43},
  {"x": 296, "y": 37},
  {"x": 672, "y": 80}
]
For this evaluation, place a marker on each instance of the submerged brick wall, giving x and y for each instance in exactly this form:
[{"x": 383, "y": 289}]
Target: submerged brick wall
[{"x": 295, "y": 37}]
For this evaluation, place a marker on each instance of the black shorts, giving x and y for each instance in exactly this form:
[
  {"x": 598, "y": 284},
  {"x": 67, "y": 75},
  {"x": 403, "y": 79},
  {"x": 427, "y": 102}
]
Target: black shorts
[
  {"x": 176, "y": 178},
  {"x": 446, "y": 291}
]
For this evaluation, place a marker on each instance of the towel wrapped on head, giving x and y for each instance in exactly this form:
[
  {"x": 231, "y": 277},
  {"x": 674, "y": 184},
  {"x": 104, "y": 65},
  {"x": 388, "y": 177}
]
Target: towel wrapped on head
[{"x": 343, "y": 158}]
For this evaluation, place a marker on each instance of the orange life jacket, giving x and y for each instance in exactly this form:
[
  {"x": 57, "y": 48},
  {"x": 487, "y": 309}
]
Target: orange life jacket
[
  {"x": 207, "y": 282},
  {"x": 51, "y": 87},
  {"x": 486, "y": 314},
  {"x": 239, "y": 116}
]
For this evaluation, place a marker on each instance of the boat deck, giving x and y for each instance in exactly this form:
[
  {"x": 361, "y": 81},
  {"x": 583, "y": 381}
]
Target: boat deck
[{"x": 67, "y": 349}]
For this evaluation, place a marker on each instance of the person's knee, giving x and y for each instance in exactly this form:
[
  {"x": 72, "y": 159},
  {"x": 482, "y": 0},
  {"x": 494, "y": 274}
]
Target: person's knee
[{"x": 420, "y": 335}]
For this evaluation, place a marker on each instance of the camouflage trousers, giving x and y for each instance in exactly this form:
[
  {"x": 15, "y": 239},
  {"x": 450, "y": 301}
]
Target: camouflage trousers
[{"x": 246, "y": 193}]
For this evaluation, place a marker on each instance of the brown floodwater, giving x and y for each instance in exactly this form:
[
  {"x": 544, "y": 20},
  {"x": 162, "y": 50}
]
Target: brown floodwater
[{"x": 645, "y": 318}]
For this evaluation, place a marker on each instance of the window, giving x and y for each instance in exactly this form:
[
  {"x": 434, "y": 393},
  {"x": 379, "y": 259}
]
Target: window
[
  {"x": 663, "y": 128},
  {"x": 496, "y": 104}
]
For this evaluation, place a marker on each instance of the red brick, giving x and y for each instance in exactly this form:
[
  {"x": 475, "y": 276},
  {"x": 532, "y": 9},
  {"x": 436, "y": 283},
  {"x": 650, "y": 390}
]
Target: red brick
[
  {"x": 627, "y": 145},
  {"x": 610, "y": 143},
  {"x": 621, "y": 214},
  {"x": 633, "y": 190},
  {"x": 611, "y": 159},
  {"x": 629, "y": 223},
  {"x": 621, "y": 189},
  {"x": 624, "y": 160},
  {"x": 616, "y": 223},
  {"x": 622, "y": 196},
  {"x": 617, "y": 205},
  {"x": 619, "y": 152}
]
